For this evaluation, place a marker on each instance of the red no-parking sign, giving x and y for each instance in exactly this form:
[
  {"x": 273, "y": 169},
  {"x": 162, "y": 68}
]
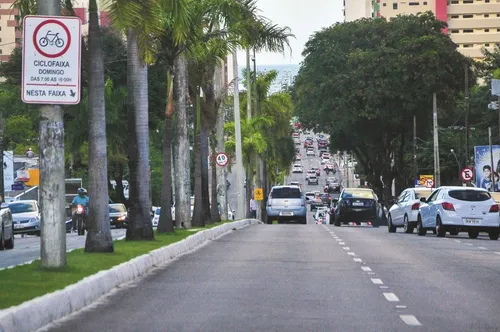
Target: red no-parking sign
[
  {"x": 467, "y": 174},
  {"x": 51, "y": 60}
]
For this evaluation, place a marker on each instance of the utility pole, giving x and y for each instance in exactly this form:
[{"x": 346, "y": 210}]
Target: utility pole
[
  {"x": 52, "y": 187},
  {"x": 415, "y": 165},
  {"x": 467, "y": 115},
  {"x": 249, "y": 85},
  {"x": 492, "y": 165},
  {"x": 240, "y": 176},
  {"x": 261, "y": 213},
  {"x": 2, "y": 184},
  {"x": 437, "y": 171}
]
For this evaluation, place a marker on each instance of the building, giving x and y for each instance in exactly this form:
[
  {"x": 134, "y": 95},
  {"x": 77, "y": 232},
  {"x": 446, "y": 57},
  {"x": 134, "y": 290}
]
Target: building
[
  {"x": 11, "y": 34},
  {"x": 356, "y": 9},
  {"x": 472, "y": 24}
]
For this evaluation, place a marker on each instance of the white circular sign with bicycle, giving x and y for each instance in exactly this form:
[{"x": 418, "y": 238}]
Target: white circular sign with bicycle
[{"x": 222, "y": 159}]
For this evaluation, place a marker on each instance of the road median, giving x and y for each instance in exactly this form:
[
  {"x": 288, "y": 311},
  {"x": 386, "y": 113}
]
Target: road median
[{"x": 32, "y": 298}]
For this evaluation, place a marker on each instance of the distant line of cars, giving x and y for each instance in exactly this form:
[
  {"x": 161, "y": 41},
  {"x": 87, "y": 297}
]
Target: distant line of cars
[{"x": 447, "y": 209}]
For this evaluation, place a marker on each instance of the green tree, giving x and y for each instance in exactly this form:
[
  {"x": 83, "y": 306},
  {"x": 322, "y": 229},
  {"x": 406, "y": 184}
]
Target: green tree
[{"x": 364, "y": 81}]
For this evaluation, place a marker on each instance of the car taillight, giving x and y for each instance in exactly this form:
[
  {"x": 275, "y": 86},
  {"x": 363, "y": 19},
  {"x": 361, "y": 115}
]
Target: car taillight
[
  {"x": 448, "y": 206},
  {"x": 494, "y": 208},
  {"x": 416, "y": 206}
]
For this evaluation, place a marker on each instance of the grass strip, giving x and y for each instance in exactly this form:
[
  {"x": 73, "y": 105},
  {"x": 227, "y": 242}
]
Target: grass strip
[{"x": 26, "y": 282}]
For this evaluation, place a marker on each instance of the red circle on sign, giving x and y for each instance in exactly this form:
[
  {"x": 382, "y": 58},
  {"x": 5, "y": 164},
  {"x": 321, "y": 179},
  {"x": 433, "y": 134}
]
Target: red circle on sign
[
  {"x": 466, "y": 171},
  {"x": 222, "y": 154},
  {"x": 35, "y": 42}
]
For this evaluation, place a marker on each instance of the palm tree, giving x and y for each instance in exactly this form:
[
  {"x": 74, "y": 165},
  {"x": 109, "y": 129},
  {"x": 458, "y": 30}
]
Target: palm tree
[{"x": 99, "y": 237}]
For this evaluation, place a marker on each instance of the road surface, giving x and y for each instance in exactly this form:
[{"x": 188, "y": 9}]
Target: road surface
[{"x": 28, "y": 248}]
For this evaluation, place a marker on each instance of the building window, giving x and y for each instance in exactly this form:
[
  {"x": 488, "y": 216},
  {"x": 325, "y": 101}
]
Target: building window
[
  {"x": 454, "y": 16},
  {"x": 454, "y": 2},
  {"x": 384, "y": 4},
  {"x": 487, "y": 1},
  {"x": 425, "y": 3},
  {"x": 454, "y": 31},
  {"x": 486, "y": 15},
  {"x": 486, "y": 30},
  {"x": 468, "y": 45},
  {"x": 468, "y": 1},
  {"x": 414, "y": 3},
  {"x": 468, "y": 30},
  {"x": 486, "y": 45},
  {"x": 468, "y": 16},
  {"x": 394, "y": 5}
]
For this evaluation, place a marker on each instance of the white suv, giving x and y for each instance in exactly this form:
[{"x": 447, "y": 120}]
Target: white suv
[{"x": 297, "y": 168}]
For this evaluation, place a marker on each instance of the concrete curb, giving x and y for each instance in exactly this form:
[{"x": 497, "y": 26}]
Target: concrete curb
[{"x": 41, "y": 311}]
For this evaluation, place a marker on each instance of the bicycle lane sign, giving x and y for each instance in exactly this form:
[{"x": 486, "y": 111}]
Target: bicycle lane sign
[{"x": 51, "y": 60}]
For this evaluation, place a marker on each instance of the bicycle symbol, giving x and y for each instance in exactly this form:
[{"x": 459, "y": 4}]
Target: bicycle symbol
[{"x": 51, "y": 38}]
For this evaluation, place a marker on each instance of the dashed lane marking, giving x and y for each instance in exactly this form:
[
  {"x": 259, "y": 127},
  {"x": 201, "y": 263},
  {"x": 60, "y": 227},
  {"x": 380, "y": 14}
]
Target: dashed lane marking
[
  {"x": 457, "y": 241},
  {"x": 370, "y": 273},
  {"x": 342, "y": 243},
  {"x": 383, "y": 287},
  {"x": 391, "y": 297},
  {"x": 497, "y": 252},
  {"x": 482, "y": 248},
  {"x": 350, "y": 253},
  {"x": 469, "y": 244},
  {"x": 377, "y": 281},
  {"x": 399, "y": 306},
  {"x": 410, "y": 320},
  {"x": 357, "y": 260},
  {"x": 346, "y": 248},
  {"x": 366, "y": 269}
]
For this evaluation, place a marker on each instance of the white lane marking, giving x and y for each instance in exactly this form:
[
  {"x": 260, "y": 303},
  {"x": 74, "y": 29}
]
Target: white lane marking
[
  {"x": 370, "y": 273},
  {"x": 457, "y": 241},
  {"x": 469, "y": 244},
  {"x": 497, "y": 252},
  {"x": 366, "y": 269},
  {"x": 399, "y": 306},
  {"x": 410, "y": 320},
  {"x": 338, "y": 240},
  {"x": 342, "y": 243},
  {"x": 377, "y": 281},
  {"x": 383, "y": 287},
  {"x": 350, "y": 253},
  {"x": 391, "y": 297},
  {"x": 346, "y": 248},
  {"x": 482, "y": 248},
  {"x": 357, "y": 260}
]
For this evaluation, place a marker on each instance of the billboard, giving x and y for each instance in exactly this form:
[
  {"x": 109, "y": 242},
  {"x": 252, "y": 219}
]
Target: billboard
[
  {"x": 8, "y": 170},
  {"x": 483, "y": 168}
]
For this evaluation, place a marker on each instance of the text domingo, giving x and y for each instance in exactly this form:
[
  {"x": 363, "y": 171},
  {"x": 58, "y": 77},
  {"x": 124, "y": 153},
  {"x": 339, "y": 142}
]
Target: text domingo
[{"x": 51, "y": 67}]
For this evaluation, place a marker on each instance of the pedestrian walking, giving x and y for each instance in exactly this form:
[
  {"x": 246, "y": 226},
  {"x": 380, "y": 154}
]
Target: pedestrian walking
[{"x": 253, "y": 208}]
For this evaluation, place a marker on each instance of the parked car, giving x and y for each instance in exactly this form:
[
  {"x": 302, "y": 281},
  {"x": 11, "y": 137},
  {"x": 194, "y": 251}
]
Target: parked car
[
  {"x": 286, "y": 204},
  {"x": 357, "y": 205},
  {"x": 459, "y": 209},
  {"x": 25, "y": 217},
  {"x": 404, "y": 211},
  {"x": 6, "y": 228},
  {"x": 118, "y": 215}
]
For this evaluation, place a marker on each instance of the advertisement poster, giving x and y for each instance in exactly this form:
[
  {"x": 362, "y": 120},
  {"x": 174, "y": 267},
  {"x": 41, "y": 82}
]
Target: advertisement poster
[{"x": 484, "y": 170}]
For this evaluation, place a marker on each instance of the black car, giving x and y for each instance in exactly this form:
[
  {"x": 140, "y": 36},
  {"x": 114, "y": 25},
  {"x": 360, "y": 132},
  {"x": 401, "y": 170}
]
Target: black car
[
  {"x": 357, "y": 205},
  {"x": 325, "y": 198}
]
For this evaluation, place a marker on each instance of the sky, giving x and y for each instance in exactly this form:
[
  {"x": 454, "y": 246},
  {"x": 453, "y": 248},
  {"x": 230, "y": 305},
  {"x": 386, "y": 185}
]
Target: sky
[{"x": 303, "y": 17}]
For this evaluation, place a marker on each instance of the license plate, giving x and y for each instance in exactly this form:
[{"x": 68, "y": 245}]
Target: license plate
[
  {"x": 18, "y": 226},
  {"x": 469, "y": 221},
  {"x": 286, "y": 213},
  {"x": 357, "y": 204}
]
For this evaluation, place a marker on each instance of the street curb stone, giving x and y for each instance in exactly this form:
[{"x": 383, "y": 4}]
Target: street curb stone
[{"x": 41, "y": 311}]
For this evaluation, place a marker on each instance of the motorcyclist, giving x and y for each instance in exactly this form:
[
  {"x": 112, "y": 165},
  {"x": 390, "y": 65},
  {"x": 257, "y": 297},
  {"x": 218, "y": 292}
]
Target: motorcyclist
[{"x": 81, "y": 199}]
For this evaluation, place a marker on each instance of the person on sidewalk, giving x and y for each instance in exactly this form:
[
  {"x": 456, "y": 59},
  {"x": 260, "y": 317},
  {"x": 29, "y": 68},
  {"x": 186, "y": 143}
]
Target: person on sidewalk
[{"x": 253, "y": 208}]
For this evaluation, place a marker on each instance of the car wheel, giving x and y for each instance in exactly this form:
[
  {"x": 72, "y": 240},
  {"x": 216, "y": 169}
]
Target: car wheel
[
  {"x": 473, "y": 234},
  {"x": 440, "y": 232},
  {"x": 390, "y": 227},
  {"x": 454, "y": 232},
  {"x": 337, "y": 222},
  {"x": 9, "y": 244},
  {"x": 303, "y": 221},
  {"x": 420, "y": 228},
  {"x": 494, "y": 235},
  {"x": 406, "y": 226}
]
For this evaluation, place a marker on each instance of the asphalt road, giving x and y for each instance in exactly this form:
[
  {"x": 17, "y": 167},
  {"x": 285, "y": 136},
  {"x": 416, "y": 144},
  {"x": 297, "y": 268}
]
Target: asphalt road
[
  {"x": 27, "y": 248},
  {"x": 311, "y": 278}
]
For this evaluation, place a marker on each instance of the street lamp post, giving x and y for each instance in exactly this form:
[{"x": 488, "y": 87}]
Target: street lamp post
[{"x": 458, "y": 163}]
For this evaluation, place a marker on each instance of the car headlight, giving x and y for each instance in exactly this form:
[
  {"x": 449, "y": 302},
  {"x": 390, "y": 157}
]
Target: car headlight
[
  {"x": 34, "y": 220},
  {"x": 121, "y": 218}
]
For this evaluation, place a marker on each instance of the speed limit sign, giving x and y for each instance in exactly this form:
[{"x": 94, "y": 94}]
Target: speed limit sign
[{"x": 222, "y": 159}]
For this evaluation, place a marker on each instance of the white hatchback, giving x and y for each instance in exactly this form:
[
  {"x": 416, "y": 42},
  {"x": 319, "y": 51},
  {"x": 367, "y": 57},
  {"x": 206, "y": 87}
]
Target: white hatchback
[
  {"x": 404, "y": 211},
  {"x": 459, "y": 209},
  {"x": 297, "y": 168}
]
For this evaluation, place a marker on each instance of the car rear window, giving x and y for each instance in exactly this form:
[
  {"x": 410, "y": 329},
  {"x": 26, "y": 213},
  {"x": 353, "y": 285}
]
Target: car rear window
[
  {"x": 469, "y": 195},
  {"x": 286, "y": 192},
  {"x": 358, "y": 194}
]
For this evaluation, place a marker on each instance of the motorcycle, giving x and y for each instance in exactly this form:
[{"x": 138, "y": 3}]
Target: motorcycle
[{"x": 80, "y": 219}]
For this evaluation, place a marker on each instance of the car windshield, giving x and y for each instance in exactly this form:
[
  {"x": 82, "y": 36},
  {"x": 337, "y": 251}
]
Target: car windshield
[
  {"x": 22, "y": 207},
  {"x": 358, "y": 194},
  {"x": 117, "y": 208},
  {"x": 422, "y": 193},
  {"x": 469, "y": 195},
  {"x": 286, "y": 192}
]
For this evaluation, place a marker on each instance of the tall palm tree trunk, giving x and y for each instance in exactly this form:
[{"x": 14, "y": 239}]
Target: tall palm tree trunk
[
  {"x": 140, "y": 227},
  {"x": 199, "y": 209},
  {"x": 182, "y": 160},
  {"x": 249, "y": 191},
  {"x": 214, "y": 206},
  {"x": 204, "y": 149},
  {"x": 99, "y": 234},
  {"x": 166, "y": 223}
]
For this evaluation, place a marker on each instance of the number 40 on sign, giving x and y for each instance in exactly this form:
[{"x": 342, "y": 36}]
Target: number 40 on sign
[{"x": 222, "y": 159}]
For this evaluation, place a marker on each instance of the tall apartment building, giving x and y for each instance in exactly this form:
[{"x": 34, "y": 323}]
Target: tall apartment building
[
  {"x": 472, "y": 24},
  {"x": 356, "y": 9},
  {"x": 10, "y": 33}
]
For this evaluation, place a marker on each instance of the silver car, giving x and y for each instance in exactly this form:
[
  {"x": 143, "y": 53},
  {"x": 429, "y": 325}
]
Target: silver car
[
  {"x": 25, "y": 217},
  {"x": 6, "y": 229},
  {"x": 286, "y": 203}
]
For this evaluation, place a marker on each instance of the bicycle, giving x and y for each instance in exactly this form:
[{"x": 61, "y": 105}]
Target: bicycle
[{"x": 51, "y": 38}]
